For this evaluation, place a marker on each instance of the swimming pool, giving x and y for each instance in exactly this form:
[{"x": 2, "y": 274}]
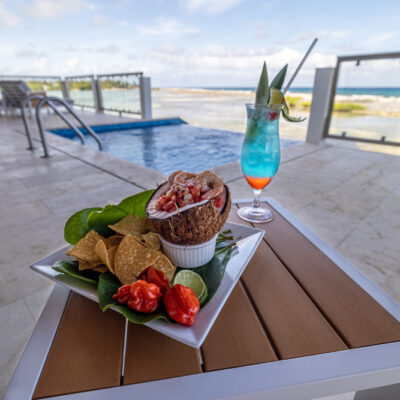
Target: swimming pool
[{"x": 168, "y": 144}]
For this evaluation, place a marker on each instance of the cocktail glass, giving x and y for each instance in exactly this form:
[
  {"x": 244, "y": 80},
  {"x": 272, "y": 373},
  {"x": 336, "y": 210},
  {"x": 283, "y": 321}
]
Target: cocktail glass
[{"x": 260, "y": 156}]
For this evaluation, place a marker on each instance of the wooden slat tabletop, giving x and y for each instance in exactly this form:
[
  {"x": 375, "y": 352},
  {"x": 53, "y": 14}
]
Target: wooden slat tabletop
[
  {"x": 86, "y": 353},
  {"x": 151, "y": 356},
  {"x": 292, "y": 301},
  {"x": 359, "y": 319}
]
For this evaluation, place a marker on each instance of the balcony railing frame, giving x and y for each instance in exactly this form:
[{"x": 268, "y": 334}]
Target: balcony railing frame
[
  {"x": 144, "y": 84},
  {"x": 332, "y": 93},
  {"x": 100, "y": 100}
]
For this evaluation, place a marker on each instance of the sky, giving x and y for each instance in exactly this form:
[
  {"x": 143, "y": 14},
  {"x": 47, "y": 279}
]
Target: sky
[{"x": 198, "y": 43}]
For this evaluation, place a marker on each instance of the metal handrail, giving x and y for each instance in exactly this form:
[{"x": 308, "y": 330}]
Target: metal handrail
[
  {"x": 373, "y": 56},
  {"x": 25, "y": 103},
  {"x": 47, "y": 77},
  {"x": 49, "y": 100},
  {"x": 119, "y": 74}
]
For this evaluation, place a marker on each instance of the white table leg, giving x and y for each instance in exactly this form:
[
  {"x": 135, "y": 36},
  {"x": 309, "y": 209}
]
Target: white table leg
[
  {"x": 391, "y": 392},
  {"x": 23, "y": 382}
]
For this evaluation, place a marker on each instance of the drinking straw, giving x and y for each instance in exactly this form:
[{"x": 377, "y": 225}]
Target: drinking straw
[{"x": 300, "y": 65}]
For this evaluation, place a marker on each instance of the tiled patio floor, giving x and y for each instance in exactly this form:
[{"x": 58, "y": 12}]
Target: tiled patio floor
[{"x": 350, "y": 198}]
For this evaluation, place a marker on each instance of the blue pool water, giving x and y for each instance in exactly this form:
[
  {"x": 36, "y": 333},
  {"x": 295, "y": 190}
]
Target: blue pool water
[{"x": 168, "y": 145}]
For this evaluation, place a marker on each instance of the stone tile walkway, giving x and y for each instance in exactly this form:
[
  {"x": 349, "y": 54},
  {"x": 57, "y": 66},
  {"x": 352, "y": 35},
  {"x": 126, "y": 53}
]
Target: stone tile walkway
[{"x": 350, "y": 198}]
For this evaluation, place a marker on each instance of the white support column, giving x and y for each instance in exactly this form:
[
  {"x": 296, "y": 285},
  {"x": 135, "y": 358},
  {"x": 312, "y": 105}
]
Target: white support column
[
  {"x": 99, "y": 94},
  {"x": 145, "y": 97},
  {"x": 96, "y": 97},
  {"x": 323, "y": 81},
  {"x": 64, "y": 89}
]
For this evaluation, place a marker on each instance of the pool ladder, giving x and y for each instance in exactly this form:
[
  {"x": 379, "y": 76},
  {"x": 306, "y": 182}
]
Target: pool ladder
[{"x": 50, "y": 100}]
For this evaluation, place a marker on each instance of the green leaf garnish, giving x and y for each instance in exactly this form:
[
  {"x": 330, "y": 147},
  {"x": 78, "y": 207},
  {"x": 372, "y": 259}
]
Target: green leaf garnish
[
  {"x": 71, "y": 268},
  {"x": 76, "y": 228},
  {"x": 79, "y": 224},
  {"x": 262, "y": 93},
  {"x": 99, "y": 220},
  {"x": 213, "y": 272},
  {"x": 136, "y": 204},
  {"x": 277, "y": 82}
]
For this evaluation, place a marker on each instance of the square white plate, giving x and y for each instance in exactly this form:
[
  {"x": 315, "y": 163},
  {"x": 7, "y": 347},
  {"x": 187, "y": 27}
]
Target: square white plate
[{"x": 194, "y": 335}]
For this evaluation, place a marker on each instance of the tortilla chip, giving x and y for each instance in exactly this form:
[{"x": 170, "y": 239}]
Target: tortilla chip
[
  {"x": 106, "y": 255},
  {"x": 85, "y": 248},
  {"x": 114, "y": 240},
  {"x": 111, "y": 256},
  {"x": 102, "y": 253},
  {"x": 101, "y": 269},
  {"x": 130, "y": 225},
  {"x": 164, "y": 264},
  {"x": 152, "y": 240},
  {"x": 83, "y": 265},
  {"x": 131, "y": 258}
]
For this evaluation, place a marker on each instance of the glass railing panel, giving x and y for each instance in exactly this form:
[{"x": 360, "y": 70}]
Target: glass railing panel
[
  {"x": 367, "y": 100},
  {"x": 120, "y": 92},
  {"x": 80, "y": 90}
]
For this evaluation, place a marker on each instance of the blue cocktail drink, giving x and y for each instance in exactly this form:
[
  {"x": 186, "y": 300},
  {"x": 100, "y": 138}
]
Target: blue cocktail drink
[
  {"x": 261, "y": 147},
  {"x": 260, "y": 155}
]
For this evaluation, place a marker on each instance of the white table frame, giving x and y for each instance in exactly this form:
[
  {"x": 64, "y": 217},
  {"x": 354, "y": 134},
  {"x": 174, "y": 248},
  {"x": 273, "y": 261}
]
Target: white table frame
[{"x": 373, "y": 371}]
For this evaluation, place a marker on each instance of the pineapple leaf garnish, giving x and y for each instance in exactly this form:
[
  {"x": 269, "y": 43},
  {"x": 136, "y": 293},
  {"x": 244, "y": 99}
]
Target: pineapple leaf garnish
[
  {"x": 277, "y": 82},
  {"x": 262, "y": 93}
]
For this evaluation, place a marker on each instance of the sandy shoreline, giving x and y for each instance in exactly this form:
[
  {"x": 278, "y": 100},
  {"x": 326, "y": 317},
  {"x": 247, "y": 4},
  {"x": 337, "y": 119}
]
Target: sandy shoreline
[{"x": 371, "y": 104}]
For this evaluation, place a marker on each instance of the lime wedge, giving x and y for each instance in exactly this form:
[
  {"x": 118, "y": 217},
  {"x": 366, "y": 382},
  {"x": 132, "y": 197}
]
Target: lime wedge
[
  {"x": 276, "y": 96},
  {"x": 190, "y": 279}
]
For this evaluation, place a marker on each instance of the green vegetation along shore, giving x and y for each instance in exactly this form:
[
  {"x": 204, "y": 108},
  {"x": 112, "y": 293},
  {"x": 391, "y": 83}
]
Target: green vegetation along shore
[
  {"x": 80, "y": 85},
  {"x": 298, "y": 102}
]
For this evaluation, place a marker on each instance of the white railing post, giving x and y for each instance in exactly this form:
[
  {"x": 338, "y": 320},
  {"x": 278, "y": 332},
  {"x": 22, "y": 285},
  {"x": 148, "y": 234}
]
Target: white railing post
[
  {"x": 97, "y": 99},
  {"x": 99, "y": 95},
  {"x": 64, "y": 89},
  {"x": 145, "y": 97},
  {"x": 320, "y": 105}
]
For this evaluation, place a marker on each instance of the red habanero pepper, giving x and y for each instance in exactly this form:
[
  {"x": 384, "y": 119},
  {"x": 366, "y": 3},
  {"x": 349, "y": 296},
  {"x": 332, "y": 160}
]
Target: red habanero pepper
[
  {"x": 152, "y": 275},
  {"x": 123, "y": 294},
  {"x": 182, "y": 304},
  {"x": 144, "y": 296}
]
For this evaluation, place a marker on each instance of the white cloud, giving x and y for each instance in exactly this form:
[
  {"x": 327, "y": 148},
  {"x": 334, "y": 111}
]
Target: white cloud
[
  {"x": 40, "y": 66},
  {"x": 210, "y": 6},
  {"x": 108, "y": 49},
  {"x": 169, "y": 49},
  {"x": 215, "y": 50},
  {"x": 28, "y": 53},
  {"x": 8, "y": 19},
  {"x": 47, "y": 9},
  {"x": 166, "y": 27},
  {"x": 380, "y": 38},
  {"x": 99, "y": 21},
  {"x": 308, "y": 36},
  {"x": 216, "y": 66}
]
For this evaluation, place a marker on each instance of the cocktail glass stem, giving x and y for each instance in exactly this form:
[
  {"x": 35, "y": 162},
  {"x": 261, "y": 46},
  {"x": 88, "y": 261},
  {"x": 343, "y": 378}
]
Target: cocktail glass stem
[
  {"x": 256, "y": 213},
  {"x": 257, "y": 195}
]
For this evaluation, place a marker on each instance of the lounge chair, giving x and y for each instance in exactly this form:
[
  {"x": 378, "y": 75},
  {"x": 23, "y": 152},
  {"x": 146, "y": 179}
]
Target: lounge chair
[{"x": 14, "y": 93}]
